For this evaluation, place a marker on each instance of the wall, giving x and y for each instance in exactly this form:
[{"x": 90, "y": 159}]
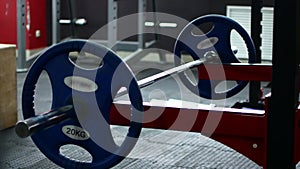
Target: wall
[
  {"x": 8, "y": 15},
  {"x": 95, "y": 12},
  {"x": 35, "y": 21}
]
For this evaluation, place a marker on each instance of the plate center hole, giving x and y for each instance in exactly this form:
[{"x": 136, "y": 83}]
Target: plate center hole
[{"x": 86, "y": 60}]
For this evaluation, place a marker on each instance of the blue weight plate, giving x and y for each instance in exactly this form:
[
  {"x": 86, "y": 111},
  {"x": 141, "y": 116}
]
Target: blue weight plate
[
  {"x": 216, "y": 40},
  {"x": 88, "y": 126}
]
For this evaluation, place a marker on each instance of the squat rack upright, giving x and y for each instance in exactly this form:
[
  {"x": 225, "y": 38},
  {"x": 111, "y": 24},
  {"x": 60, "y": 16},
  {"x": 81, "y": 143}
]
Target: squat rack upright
[{"x": 285, "y": 94}]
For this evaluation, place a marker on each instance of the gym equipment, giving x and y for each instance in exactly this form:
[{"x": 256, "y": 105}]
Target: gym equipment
[
  {"x": 31, "y": 125},
  {"x": 235, "y": 129},
  {"x": 216, "y": 40},
  {"x": 55, "y": 61}
]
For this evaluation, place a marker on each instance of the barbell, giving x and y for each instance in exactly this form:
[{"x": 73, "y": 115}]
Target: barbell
[{"x": 82, "y": 97}]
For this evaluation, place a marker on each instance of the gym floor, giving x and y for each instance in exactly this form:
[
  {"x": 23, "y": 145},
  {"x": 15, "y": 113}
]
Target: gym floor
[{"x": 155, "y": 148}]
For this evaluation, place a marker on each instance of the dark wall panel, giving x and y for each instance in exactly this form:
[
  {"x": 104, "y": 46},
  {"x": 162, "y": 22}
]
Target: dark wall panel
[
  {"x": 95, "y": 11},
  {"x": 188, "y": 10}
]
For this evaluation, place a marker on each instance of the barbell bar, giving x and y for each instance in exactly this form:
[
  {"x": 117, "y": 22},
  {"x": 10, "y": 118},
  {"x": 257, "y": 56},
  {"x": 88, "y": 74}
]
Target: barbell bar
[
  {"x": 55, "y": 61},
  {"x": 209, "y": 57},
  {"x": 27, "y": 127}
]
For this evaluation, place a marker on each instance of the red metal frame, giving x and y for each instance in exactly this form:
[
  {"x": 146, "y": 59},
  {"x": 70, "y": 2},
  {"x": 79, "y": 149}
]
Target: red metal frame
[
  {"x": 241, "y": 129},
  {"x": 236, "y": 71}
]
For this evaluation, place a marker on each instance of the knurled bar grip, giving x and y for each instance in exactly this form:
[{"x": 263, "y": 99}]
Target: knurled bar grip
[
  {"x": 154, "y": 78},
  {"x": 27, "y": 127}
]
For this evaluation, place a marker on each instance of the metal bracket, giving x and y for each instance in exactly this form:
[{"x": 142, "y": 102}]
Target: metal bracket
[{"x": 21, "y": 17}]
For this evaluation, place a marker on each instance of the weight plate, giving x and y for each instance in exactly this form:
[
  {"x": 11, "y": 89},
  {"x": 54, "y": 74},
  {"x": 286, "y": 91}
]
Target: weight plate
[
  {"x": 215, "y": 41},
  {"x": 82, "y": 87}
]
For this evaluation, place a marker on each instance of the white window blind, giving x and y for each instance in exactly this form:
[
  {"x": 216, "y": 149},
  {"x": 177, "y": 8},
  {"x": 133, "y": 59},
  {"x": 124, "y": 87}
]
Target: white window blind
[{"x": 242, "y": 14}]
